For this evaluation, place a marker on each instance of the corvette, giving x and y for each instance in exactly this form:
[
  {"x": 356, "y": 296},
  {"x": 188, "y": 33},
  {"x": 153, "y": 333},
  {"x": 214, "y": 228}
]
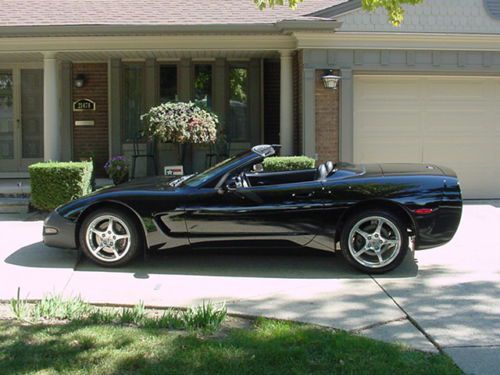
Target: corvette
[{"x": 373, "y": 213}]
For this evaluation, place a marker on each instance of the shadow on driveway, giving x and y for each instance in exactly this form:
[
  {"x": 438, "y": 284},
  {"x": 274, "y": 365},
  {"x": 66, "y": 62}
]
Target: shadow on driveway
[{"x": 304, "y": 263}]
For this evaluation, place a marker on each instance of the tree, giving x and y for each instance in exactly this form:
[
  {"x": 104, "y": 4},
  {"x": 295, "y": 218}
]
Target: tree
[{"x": 395, "y": 11}]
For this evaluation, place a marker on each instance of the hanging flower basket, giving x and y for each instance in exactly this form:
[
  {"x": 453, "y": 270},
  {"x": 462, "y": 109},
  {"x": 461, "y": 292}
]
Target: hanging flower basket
[{"x": 181, "y": 123}]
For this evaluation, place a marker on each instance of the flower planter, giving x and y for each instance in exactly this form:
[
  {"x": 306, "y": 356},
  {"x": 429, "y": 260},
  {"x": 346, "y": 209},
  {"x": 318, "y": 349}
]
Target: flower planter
[{"x": 117, "y": 180}]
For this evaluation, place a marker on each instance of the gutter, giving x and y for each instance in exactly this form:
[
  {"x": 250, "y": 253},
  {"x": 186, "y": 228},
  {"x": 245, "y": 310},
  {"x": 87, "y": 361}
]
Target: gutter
[{"x": 284, "y": 26}]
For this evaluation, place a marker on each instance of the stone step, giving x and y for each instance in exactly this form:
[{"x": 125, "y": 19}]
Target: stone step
[
  {"x": 14, "y": 205},
  {"x": 15, "y": 188}
]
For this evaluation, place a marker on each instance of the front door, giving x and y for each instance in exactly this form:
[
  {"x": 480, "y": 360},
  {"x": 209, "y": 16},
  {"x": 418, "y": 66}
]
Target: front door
[
  {"x": 290, "y": 212},
  {"x": 21, "y": 118}
]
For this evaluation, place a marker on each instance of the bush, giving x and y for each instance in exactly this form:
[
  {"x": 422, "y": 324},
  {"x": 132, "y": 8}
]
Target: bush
[
  {"x": 287, "y": 163},
  {"x": 55, "y": 183}
]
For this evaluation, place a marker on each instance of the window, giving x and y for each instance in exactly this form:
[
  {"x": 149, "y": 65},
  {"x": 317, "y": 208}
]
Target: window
[
  {"x": 168, "y": 83},
  {"x": 32, "y": 112},
  {"x": 238, "y": 119},
  {"x": 132, "y": 101},
  {"x": 203, "y": 85},
  {"x": 6, "y": 116}
]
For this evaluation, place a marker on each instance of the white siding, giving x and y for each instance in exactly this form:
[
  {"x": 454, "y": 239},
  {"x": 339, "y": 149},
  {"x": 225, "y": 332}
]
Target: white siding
[{"x": 433, "y": 16}]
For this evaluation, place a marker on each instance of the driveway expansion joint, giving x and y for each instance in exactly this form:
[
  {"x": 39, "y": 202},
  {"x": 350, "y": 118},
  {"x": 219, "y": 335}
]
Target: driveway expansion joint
[{"x": 410, "y": 318}]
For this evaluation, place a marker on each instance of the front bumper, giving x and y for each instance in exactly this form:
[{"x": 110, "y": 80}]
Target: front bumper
[{"x": 59, "y": 232}]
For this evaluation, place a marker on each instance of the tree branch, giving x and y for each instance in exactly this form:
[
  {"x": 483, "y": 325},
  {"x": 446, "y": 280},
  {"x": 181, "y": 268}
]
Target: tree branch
[{"x": 395, "y": 11}]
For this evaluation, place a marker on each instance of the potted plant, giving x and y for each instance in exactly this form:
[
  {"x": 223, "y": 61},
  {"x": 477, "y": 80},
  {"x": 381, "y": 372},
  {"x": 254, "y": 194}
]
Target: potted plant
[
  {"x": 117, "y": 169},
  {"x": 181, "y": 123},
  {"x": 89, "y": 156}
]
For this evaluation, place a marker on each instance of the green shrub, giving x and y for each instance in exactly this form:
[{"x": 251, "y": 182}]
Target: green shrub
[
  {"x": 287, "y": 163},
  {"x": 55, "y": 183}
]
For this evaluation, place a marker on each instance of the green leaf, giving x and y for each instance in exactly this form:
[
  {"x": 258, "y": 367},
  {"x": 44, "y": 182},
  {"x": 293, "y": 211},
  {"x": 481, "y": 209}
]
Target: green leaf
[
  {"x": 287, "y": 163},
  {"x": 55, "y": 183},
  {"x": 395, "y": 11}
]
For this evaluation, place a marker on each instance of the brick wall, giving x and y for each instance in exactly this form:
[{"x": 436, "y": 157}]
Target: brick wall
[
  {"x": 92, "y": 139},
  {"x": 271, "y": 101},
  {"x": 327, "y": 121}
]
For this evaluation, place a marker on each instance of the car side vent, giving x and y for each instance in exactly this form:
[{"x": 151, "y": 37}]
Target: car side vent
[{"x": 493, "y": 8}]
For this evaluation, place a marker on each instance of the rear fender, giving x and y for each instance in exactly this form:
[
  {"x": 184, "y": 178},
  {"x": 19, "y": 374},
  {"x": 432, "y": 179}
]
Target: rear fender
[{"x": 384, "y": 204}]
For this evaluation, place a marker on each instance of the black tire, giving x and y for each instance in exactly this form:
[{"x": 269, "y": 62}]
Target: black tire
[
  {"x": 122, "y": 226},
  {"x": 354, "y": 248}
]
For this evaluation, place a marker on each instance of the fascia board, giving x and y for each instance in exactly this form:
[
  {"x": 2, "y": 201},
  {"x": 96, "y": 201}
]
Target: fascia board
[
  {"x": 399, "y": 41},
  {"x": 148, "y": 43}
]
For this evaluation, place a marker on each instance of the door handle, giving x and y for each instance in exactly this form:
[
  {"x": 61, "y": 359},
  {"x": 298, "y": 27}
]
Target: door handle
[{"x": 302, "y": 195}]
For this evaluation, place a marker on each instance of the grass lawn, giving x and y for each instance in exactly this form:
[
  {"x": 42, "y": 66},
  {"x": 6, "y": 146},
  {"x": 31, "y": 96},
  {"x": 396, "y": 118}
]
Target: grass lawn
[{"x": 269, "y": 347}]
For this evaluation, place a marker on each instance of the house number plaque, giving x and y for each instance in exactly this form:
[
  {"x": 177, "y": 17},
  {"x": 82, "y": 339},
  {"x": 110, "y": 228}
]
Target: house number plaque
[{"x": 83, "y": 105}]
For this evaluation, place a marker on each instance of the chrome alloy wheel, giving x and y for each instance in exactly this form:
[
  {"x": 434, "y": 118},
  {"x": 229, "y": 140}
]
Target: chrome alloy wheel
[
  {"x": 374, "y": 242},
  {"x": 108, "y": 238}
]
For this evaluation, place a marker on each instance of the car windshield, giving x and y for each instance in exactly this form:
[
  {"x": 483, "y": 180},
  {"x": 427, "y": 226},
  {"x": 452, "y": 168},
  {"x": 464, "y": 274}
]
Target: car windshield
[{"x": 196, "y": 180}]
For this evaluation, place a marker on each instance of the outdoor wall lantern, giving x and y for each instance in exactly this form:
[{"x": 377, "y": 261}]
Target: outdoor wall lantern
[
  {"x": 79, "y": 81},
  {"x": 330, "y": 81}
]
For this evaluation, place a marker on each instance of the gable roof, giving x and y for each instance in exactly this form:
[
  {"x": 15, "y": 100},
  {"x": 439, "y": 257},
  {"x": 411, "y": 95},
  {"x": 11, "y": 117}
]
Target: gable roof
[
  {"x": 338, "y": 9},
  {"x": 29, "y": 13}
]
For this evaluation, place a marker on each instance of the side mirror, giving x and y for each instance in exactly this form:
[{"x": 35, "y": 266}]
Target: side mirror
[{"x": 258, "y": 168}]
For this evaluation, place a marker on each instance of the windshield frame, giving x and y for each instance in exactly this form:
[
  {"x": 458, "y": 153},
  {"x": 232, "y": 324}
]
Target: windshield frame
[{"x": 211, "y": 176}]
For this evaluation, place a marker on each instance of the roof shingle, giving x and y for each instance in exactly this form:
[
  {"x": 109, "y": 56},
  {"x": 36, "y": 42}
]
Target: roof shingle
[{"x": 148, "y": 12}]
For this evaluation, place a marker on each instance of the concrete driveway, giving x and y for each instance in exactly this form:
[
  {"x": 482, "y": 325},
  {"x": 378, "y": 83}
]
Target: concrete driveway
[{"x": 447, "y": 299}]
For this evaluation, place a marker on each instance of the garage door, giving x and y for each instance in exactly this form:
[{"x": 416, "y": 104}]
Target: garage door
[{"x": 453, "y": 121}]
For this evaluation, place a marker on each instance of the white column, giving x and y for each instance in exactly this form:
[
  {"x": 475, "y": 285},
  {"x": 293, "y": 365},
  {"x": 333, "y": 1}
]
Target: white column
[
  {"x": 51, "y": 110},
  {"x": 286, "y": 103}
]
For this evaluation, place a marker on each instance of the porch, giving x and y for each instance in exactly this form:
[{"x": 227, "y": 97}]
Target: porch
[{"x": 38, "y": 91}]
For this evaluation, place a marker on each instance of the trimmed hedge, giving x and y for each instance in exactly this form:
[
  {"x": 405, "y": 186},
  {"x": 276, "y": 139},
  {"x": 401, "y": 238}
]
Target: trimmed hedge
[
  {"x": 55, "y": 183},
  {"x": 287, "y": 163}
]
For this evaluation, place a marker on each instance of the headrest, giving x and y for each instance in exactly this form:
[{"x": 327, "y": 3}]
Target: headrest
[
  {"x": 329, "y": 166},
  {"x": 322, "y": 172}
]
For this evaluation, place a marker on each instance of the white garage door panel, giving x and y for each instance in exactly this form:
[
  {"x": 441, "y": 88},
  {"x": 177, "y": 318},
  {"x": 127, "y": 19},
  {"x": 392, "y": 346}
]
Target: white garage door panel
[
  {"x": 462, "y": 89},
  {"x": 454, "y": 121}
]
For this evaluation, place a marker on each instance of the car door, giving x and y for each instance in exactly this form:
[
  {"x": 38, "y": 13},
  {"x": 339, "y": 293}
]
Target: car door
[{"x": 289, "y": 212}]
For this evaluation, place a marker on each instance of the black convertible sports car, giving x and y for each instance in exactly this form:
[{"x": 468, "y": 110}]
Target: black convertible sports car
[{"x": 372, "y": 211}]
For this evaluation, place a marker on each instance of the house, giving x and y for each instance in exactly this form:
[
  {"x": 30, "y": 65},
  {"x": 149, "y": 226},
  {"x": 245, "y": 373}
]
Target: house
[{"x": 75, "y": 76}]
